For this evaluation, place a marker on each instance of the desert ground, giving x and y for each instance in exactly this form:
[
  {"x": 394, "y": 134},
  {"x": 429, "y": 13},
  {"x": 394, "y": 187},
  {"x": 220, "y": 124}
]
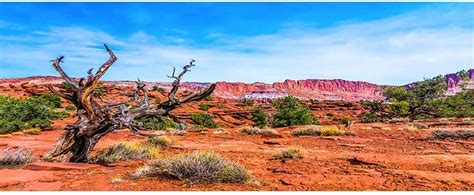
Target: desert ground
[{"x": 378, "y": 156}]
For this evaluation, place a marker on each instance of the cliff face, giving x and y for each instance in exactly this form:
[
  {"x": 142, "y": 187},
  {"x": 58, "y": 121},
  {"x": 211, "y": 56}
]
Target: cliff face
[
  {"x": 306, "y": 89},
  {"x": 336, "y": 89},
  {"x": 456, "y": 84}
]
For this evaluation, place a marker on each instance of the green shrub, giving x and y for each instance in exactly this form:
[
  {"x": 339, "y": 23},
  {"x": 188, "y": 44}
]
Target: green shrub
[
  {"x": 259, "y": 117},
  {"x": 70, "y": 108},
  {"x": 208, "y": 98},
  {"x": 66, "y": 86},
  {"x": 287, "y": 154},
  {"x": 290, "y": 112},
  {"x": 200, "y": 168},
  {"x": 158, "y": 123},
  {"x": 308, "y": 131},
  {"x": 37, "y": 111},
  {"x": 459, "y": 105},
  {"x": 204, "y": 120},
  {"x": 204, "y": 107},
  {"x": 14, "y": 158}
]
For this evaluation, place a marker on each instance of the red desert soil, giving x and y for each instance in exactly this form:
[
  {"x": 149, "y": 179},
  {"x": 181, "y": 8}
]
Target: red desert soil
[{"x": 381, "y": 158}]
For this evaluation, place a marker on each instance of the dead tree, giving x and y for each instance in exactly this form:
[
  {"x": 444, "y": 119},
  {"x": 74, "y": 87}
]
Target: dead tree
[{"x": 96, "y": 120}]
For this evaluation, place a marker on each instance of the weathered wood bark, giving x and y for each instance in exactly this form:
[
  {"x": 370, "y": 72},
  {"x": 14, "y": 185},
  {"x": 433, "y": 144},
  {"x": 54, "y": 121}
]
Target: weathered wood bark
[{"x": 96, "y": 121}]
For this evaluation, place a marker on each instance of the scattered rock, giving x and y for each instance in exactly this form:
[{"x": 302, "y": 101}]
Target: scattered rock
[{"x": 271, "y": 142}]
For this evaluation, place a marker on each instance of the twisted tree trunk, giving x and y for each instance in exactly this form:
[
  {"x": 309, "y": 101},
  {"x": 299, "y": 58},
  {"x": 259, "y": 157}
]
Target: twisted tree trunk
[{"x": 96, "y": 121}]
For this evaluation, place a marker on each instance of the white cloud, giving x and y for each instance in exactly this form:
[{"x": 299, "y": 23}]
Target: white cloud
[{"x": 395, "y": 50}]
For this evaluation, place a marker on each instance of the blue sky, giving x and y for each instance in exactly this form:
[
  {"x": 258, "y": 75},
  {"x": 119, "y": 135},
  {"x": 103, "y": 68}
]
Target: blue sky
[{"x": 384, "y": 43}]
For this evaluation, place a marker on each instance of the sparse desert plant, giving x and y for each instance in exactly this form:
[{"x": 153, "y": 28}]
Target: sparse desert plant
[
  {"x": 308, "y": 131},
  {"x": 208, "y": 98},
  {"x": 331, "y": 131},
  {"x": 32, "y": 131},
  {"x": 158, "y": 89},
  {"x": 119, "y": 152},
  {"x": 290, "y": 112},
  {"x": 248, "y": 102},
  {"x": 291, "y": 153},
  {"x": 204, "y": 107},
  {"x": 346, "y": 121},
  {"x": 420, "y": 126},
  {"x": 158, "y": 123},
  {"x": 11, "y": 158},
  {"x": 159, "y": 142},
  {"x": 257, "y": 131},
  {"x": 259, "y": 117},
  {"x": 450, "y": 134},
  {"x": 204, "y": 120},
  {"x": 200, "y": 168},
  {"x": 115, "y": 180}
]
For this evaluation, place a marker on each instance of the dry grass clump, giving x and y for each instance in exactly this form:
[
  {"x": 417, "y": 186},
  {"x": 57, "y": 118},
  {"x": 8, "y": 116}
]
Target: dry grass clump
[
  {"x": 32, "y": 131},
  {"x": 149, "y": 148},
  {"x": 119, "y": 152},
  {"x": 257, "y": 131},
  {"x": 197, "y": 168},
  {"x": 291, "y": 153},
  {"x": 158, "y": 142},
  {"x": 447, "y": 134},
  {"x": 14, "y": 158},
  {"x": 332, "y": 131},
  {"x": 420, "y": 126},
  {"x": 308, "y": 131}
]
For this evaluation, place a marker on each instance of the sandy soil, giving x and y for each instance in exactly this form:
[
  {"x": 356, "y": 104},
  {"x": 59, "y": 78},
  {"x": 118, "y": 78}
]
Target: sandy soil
[{"x": 378, "y": 157}]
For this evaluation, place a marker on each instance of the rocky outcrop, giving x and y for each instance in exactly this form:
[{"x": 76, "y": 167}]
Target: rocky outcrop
[
  {"x": 456, "y": 84},
  {"x": 336, "y": 89}
]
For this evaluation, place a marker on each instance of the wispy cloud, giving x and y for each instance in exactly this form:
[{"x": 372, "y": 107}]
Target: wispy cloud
[{"x": 394, "y": 50}]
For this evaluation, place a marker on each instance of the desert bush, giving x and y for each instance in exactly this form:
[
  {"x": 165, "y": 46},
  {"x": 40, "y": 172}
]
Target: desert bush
[
  {"x": 32, "y": 131},
  {"x": 70, "y": 108},
  {"x": 307, "y": 131},
  {"x": 287, "y": 154},
  {"x": 158, "y": 89},
  {"x": 257, "y": 131},
  {"x": 204, "y": 107},
  {"x": 331, "y": 131},
  {"x": 449, "y": 134},
  {"x": 208, "y": 98},
  {"x": 10, "y": 158},
  {"x": 36, "y": 111},
  {"x": 370, "y": 117},
  {"x": 204, "y": 120},
  {"x": 120, "y": 152},
  {"x": 159, "y": 142},
  {"x": 248, "y": 102},
  {"x": 259, "y": 117},
  {"x": 158, "y": 123},
  {"x": 200, "y": 167},
  {"x": 290, "y": 112},
  {"x": 420, "y": 126}
]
